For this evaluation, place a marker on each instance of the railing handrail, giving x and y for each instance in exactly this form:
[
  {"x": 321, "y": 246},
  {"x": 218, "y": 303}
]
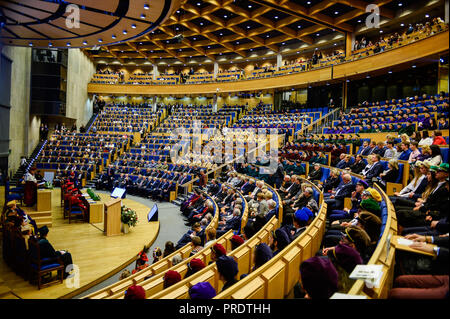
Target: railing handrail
[{"x": 324, "y": 117}]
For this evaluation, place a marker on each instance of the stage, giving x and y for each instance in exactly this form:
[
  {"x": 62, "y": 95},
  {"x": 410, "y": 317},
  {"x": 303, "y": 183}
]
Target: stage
[{"x": 96, "y": 255}]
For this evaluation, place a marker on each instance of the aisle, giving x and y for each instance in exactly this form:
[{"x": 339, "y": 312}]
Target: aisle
[{"x": 171, "y": 228}]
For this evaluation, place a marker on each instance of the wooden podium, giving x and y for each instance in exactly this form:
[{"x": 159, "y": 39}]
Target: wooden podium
[
  {"x": 44, "y": 200},
  {"x": 112, "y": 217}
]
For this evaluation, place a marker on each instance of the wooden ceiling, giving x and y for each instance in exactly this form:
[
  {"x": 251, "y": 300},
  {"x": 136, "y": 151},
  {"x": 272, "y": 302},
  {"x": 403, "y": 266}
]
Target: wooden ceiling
[
  {"x": 52, "y": 23},
  {"x": 239, "y": 28}
]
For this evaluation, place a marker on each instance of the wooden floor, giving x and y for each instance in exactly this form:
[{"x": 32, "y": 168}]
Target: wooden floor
[{"x": 96, "y": 255}]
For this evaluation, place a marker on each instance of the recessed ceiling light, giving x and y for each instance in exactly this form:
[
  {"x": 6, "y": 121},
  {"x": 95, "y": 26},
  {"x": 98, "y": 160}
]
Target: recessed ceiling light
[
  {"x": 113, "y": 36},
  {"x": 50, "y": 44},
  {"x": 427, "y": 16},
  {"x": 225, "y": 16},
  {"x": 249, "y": 6},
  {"x": 124, "y": 32},
  {"x": 146, "y": 6},
  {"x": 359, "y": 21},
  {"x": 142, "y": 16},
  {"x": 199, "y": 4},
  {"x": 400, "y": 4},
  {"x": 195, "y": 39},
  {"x": 30, "y": 44},
  {"x": 100, "y": 40},
  {"x": 133, "y": 26},
  {"x": 276, "y": 17},
  {"x": 84, "y": 42},
  {"x": 68, "y": 44},
  {"x": 201, "y": 23}
]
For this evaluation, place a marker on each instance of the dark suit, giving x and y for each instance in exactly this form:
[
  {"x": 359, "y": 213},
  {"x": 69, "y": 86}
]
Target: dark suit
[
  {"x": 374, "y": 171},
  {"x": 292, "y": 190},
  {"x": 357, "y": 167},
  {"x": 342, "y": 191},
  {"x": 273, "y": 212},
  {"x": 233, "y": 223}
]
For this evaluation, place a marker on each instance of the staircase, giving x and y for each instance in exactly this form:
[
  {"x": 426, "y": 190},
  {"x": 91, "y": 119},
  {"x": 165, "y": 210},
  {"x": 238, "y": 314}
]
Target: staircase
[
  {"x": 41, "y": 218},
  {"x": 91, "y": 121},
  {"x": 181, "y": 198},
  {"x": 30, "y": 160},
  {"x": 91, "y": 183}
]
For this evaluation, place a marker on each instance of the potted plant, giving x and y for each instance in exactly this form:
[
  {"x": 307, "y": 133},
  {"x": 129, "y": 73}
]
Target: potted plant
[{"x": 129, "y": 218}]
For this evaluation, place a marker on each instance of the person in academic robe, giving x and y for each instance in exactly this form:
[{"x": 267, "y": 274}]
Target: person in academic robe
[{"x": 47, "y": 250}]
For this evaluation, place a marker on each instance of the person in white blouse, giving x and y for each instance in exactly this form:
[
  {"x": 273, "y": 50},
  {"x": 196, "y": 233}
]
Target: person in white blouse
[
  {"x": 420, "y": 173},
  {"x": 436, "y": 156},
  {"x": 29, "y": 176},
  {"x": 426, "y": 140}
]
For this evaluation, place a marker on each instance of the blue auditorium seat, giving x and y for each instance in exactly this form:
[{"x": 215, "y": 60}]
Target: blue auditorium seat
[{"x": 444, "y": 152}]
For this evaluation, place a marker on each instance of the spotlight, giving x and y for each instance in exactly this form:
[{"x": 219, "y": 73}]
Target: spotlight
[{"x": 2, "y": 22}]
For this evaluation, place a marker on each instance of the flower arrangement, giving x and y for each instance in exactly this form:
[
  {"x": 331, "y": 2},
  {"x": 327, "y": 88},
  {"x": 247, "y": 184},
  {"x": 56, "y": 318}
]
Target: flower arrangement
[
  {"x": 93, "y": 195},
  {"x": 129, "y": 216}
]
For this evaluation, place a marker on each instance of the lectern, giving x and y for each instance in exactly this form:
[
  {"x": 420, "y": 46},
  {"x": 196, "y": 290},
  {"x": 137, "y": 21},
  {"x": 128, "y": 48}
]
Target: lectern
[{"x": 112, "y": 217}]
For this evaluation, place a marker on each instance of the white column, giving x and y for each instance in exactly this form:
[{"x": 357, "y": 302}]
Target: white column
[
  {"x": 216, "y": 69},
  {"x": 279, "y": 61},
  {"x": 155, "y": 71},
  {"x": 154, "y": 103},
  {"x": 215, "y": 103},
  {"x": 446, "y": 11}
]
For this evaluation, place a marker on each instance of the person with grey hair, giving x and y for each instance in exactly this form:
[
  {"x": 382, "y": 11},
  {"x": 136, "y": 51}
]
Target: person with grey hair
[
  {"x": 273, "y": 211},
  {"x": 344, "y": 189},
  {"x": 176, "y": 259},
  {"x": 286, "y": 183},
  {"x": 233, "y": 223},
  {"x": 256, "y": 190},
  {"x": 292, "y": 190},
  {"x": 291, "y": 200},
  {"x": 316, "y": 173},
  {"x": 306, "y": 199}
]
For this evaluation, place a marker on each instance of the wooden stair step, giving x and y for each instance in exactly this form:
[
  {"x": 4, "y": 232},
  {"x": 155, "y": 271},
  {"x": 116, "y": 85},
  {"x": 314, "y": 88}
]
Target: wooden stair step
[{"x": 39, "y": 214}]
